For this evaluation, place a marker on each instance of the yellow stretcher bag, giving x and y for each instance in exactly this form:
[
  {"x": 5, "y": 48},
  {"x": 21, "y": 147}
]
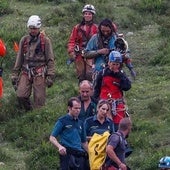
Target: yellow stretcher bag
[{"x": 97, "y": 150}]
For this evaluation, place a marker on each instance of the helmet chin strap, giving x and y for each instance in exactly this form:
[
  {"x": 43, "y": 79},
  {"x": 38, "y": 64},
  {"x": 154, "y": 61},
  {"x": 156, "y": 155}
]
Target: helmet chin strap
[{"x": 34, "y": 38}]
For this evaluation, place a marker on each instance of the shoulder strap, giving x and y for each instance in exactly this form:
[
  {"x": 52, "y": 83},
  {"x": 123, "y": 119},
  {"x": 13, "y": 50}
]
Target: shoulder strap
[
  {"x": 42, "y": 41},
  {"x": 120, "y": 136},
  {"x": 25, "y": 44}
]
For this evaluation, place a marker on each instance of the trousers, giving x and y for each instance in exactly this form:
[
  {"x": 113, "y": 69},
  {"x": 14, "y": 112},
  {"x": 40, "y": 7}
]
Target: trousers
[{"x": 26, "y": 86}]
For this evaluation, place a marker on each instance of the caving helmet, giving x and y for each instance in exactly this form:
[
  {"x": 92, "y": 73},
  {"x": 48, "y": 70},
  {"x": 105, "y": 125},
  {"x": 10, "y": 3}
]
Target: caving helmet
[
  {"x": 121, "y": 45},
  {"x": 34, "y": 21},
  {"x": 164, "y": 162},
  {"x": 115, "y": 56},
  {"x": 89, "y": 8}
]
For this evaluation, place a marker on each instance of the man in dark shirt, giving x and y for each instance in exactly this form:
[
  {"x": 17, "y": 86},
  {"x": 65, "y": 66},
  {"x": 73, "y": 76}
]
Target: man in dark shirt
[
  {"x": 88, "y": 103},
  {"x": 72, "y": 144},
  {"x": 116, "y": 146}
]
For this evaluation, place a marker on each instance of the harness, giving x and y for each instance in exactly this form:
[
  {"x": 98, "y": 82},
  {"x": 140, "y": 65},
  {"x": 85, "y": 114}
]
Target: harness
[
  {"x": 34, "y": 71},
  {"x": 42, "y": 43}
]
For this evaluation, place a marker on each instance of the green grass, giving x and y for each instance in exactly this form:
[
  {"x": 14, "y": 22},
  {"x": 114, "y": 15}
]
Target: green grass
[{"x": 25, "y": 144}]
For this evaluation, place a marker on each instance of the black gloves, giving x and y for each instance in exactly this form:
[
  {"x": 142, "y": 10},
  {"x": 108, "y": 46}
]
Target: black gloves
[
  {"x": 49, "y": 80},
  {"x": 15, "y": 82}
]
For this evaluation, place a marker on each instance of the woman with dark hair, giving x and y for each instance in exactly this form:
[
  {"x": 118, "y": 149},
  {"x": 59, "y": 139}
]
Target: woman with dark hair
[{"x": 79, "y": 37}]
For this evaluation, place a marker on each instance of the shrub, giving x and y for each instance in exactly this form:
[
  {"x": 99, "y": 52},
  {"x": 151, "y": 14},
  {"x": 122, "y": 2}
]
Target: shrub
[{"x": 5, "y": 7}]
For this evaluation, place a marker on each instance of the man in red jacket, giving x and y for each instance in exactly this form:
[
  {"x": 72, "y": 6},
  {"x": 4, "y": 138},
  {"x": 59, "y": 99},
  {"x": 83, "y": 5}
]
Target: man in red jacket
[{"x": 78, "y": 39}]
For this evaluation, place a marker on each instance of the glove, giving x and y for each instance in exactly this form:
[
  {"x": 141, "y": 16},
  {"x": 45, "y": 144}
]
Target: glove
[
  {"x": 1, "y": 71},
  {"x": 70, "y": 61},
  {"x": 49, "y": 81},
  {"x": 133, "y": 73},
  {"x": 15, "y": 82}
]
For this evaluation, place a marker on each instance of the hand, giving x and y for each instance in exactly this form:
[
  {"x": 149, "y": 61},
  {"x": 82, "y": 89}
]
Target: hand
[
  {"x": 72, "y": 56},
  {"x": 49, "y": 81},
  {"x": 122, "y": 166},
  {"x": 15, "y": 82},
  {"x": 62, "y": 150}
]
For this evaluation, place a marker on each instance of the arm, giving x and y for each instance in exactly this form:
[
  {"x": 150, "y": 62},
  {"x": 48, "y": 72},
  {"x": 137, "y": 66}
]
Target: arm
[
  {"x": 125, "y": 83},
  {"x": 49, "y": 55},
  {"x": 72, "y": 43},
  {"x": 91, "y": 48},
  {"x": 61, "y": 149},
  {"x": 112, "y": 155},
  {"x": 19, "y": 59},
  {"x": 57, "y": 130}
]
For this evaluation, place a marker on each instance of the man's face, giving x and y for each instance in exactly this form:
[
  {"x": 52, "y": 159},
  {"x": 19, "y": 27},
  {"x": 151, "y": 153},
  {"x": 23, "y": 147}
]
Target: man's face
[
  {"x": 34, "y": 31},
  {"x": 75, "y": 110},
  {"x": 88, "y": 16},
  {"x": 106, "y": 31},
  {"x": 85, "y": 92}
]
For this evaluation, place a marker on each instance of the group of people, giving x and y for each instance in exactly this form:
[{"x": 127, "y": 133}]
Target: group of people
[
  {"x": 99, "y": 54},
  {"x": 74, "y": 135},
  {"x": 100, "y": 107},
  {"x": 89, "y": 45}
]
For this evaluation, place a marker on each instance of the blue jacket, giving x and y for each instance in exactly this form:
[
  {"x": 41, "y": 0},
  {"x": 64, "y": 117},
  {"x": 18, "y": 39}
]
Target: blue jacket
[{"x": 93, "y": 44}]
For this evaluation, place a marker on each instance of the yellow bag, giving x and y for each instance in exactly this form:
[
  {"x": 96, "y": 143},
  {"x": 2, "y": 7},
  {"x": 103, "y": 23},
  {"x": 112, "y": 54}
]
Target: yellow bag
[{"x": 97, "y": 150}]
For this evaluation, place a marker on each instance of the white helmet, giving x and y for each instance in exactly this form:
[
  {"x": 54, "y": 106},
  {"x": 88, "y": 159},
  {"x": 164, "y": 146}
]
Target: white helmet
[
  {"x": 34, "y": 21},
  {"x": 89, "y": 8}
]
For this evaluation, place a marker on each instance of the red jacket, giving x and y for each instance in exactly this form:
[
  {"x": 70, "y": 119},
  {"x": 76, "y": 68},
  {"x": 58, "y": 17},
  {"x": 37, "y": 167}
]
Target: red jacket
[{"x": 80, "y": 36}]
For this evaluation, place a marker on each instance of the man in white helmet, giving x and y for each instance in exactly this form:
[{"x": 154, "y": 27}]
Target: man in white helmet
[
  {"x": 34, "y": 67},
  {"x": 81, "y": 33}
]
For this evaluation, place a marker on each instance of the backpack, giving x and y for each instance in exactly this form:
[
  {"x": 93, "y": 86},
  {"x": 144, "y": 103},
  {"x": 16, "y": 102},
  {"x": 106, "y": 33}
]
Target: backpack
[{"x": 97, "y": 150}]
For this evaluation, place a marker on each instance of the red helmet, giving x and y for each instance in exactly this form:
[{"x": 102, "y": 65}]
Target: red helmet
[{"x": 2, "y": 48}]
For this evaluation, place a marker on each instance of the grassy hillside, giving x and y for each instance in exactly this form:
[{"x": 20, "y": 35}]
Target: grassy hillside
[{"x": 145, "y": 23}]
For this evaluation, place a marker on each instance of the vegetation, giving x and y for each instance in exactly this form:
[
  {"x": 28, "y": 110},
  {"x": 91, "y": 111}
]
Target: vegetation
[{"x": 24, "y": 142}]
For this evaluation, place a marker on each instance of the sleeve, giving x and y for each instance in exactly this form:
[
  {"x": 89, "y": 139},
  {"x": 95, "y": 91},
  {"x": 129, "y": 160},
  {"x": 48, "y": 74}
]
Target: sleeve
[
  {"x": 97, "y": 85},
  {"x": 125, "y": 83},
  {"x": 57, "y": 128},
  {"x": 113, "y": 140},
  {"x": 19, "y": 59},
  {"x": 92, "y": 47},
  {"x": 72, "y": 40},
  {"x": 49, "y": 55}
]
